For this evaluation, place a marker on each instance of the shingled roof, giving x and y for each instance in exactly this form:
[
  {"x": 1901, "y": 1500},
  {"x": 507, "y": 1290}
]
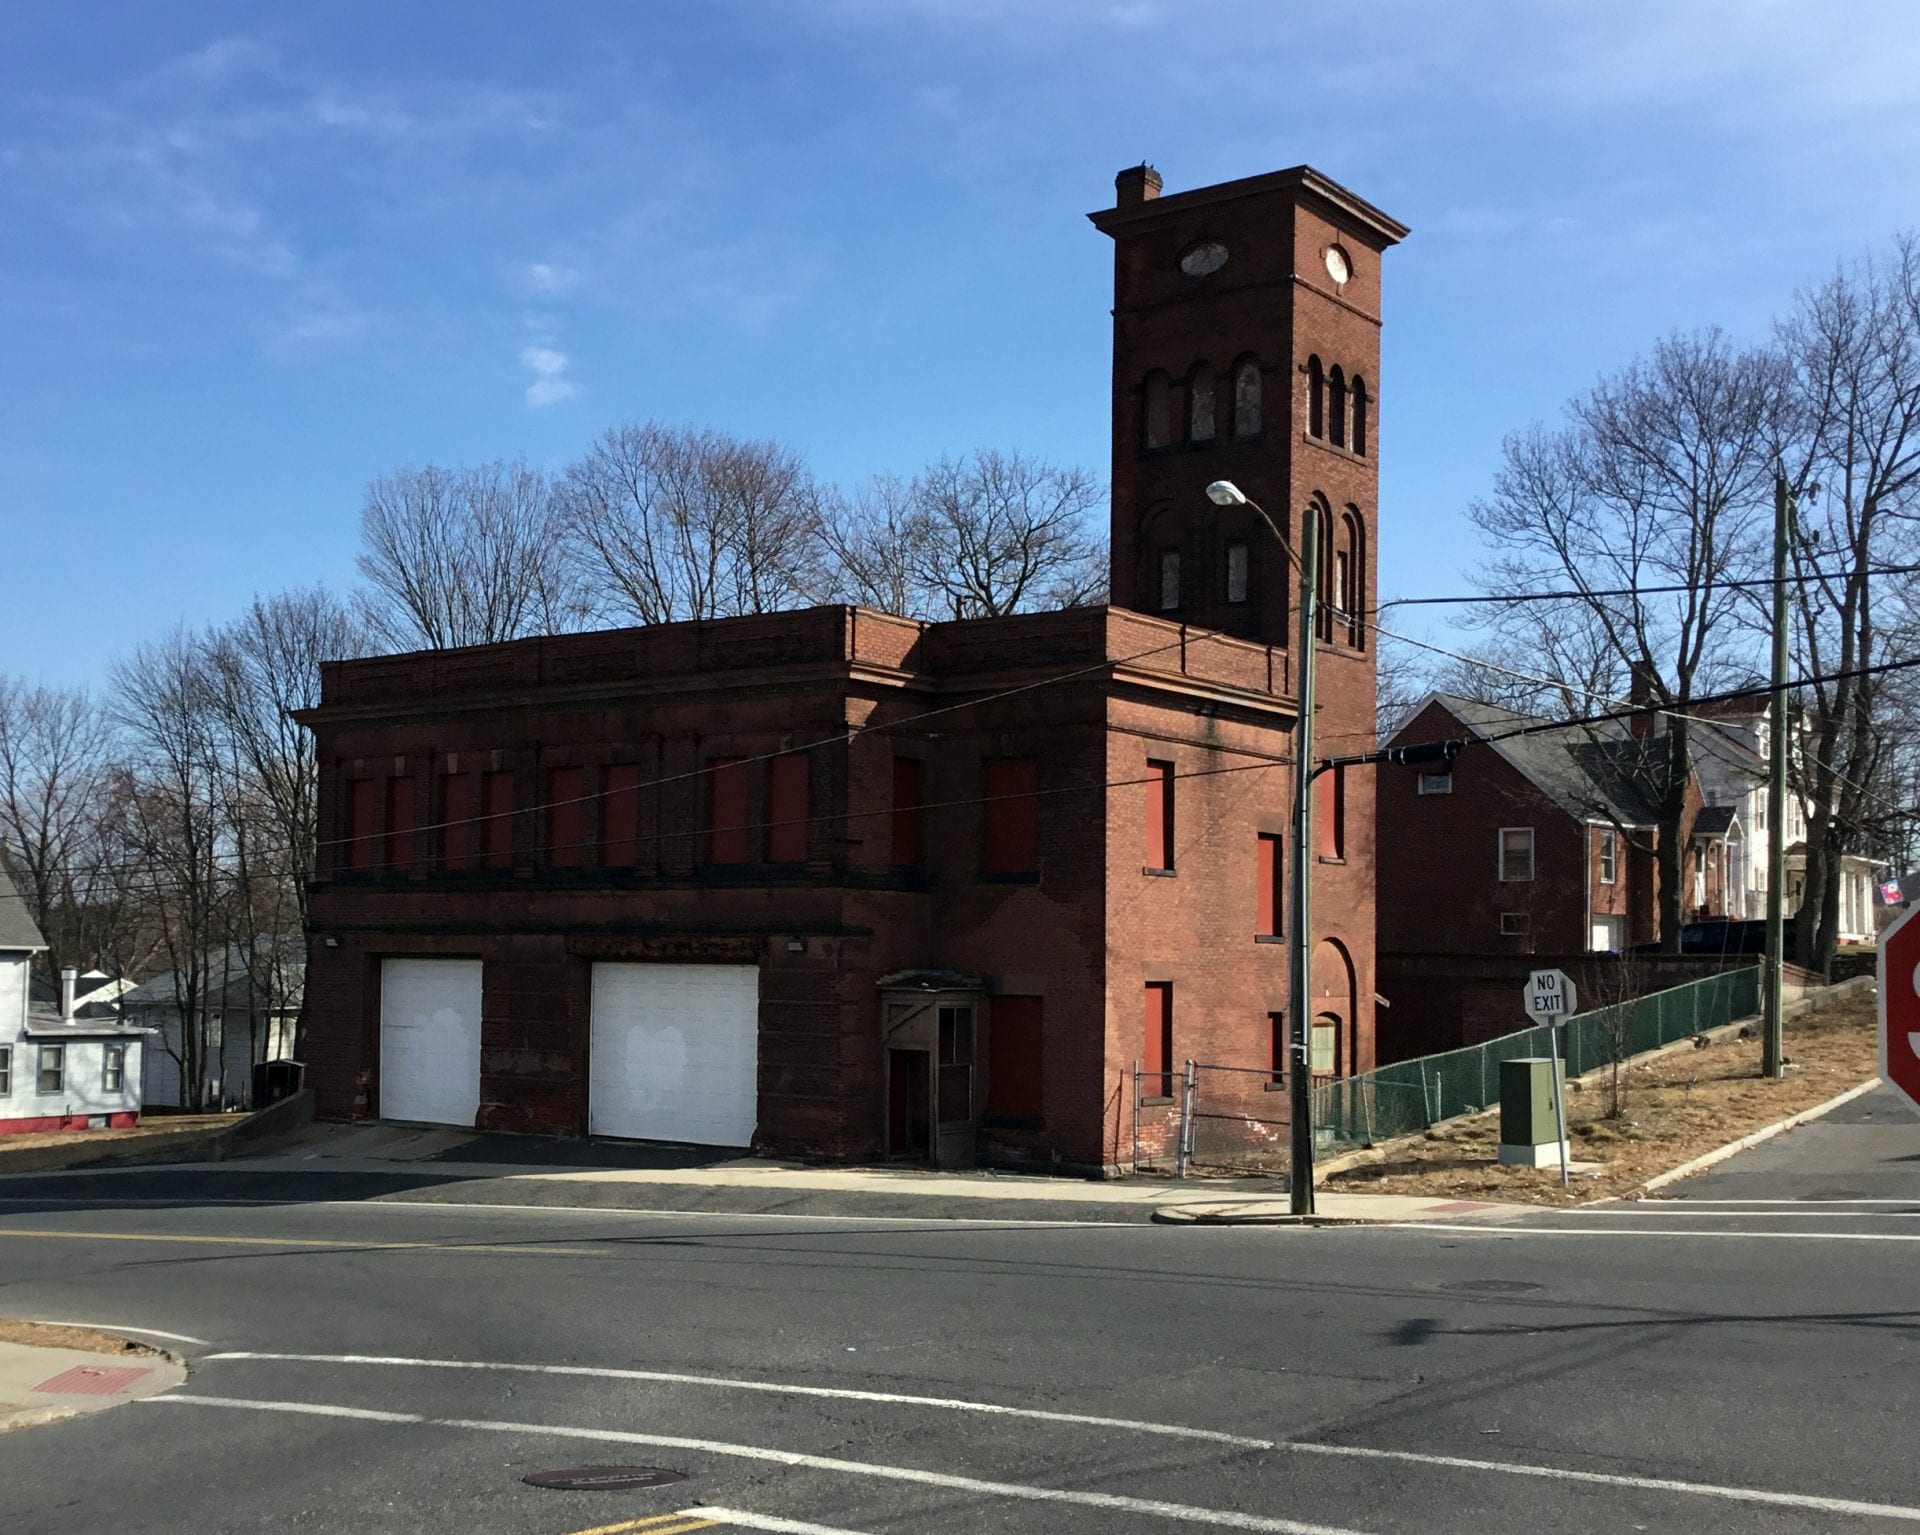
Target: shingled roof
[
  {"x": 17, "y": 927},
  {"x": 1593, "y": 772}
]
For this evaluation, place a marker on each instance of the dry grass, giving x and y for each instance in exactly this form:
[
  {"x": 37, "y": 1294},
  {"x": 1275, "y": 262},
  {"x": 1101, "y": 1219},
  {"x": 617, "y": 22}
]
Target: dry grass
[
  {"x": 170, "y": 1124},
  {"x": 1678, "y": 1107},
  {"x": 55, "y": 1335}
]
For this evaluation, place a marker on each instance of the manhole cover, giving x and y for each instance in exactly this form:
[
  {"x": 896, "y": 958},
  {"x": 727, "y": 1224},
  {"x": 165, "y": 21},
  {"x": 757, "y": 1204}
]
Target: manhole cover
[
  {"x": 1491, "y": 1286},
  {"x": 604, "y": 1478}
]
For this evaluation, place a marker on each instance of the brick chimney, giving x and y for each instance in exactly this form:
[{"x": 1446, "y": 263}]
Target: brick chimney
[
  {"x": 1136, "y": 184},
  {"x": 1641, "y": 692}
]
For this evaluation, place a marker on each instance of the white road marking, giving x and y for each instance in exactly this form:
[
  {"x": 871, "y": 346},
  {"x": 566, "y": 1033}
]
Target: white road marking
[
  {"x": 775, "y": 1388},
  {"x": 1615, "y": 1479},
  {"x": 1912, "y": 1209},
  {"x": 145, "y": 1332},
  {"x": 1683, "y": 1204},
  {"x": 748, "y": 1521},
  {"x": 1187, "y": 1513},
  {"x": 1505, "y": 1232}
]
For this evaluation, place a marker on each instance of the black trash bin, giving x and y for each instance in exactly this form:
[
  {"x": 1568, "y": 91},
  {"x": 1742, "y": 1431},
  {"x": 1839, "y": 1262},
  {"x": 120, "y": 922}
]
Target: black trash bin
[{"x": 275, "y": 1080}]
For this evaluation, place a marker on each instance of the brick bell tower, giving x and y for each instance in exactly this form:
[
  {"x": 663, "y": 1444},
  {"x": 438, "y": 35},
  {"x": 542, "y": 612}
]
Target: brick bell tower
[{"x": 1246, "y": 347}]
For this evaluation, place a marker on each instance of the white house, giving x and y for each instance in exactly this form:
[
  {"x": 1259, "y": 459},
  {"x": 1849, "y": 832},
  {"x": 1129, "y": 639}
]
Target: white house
[
  {"x": 247, "y": 1006},
  {"x": 57, "y": 1071},
  {"x": 1730, "y": 755}
]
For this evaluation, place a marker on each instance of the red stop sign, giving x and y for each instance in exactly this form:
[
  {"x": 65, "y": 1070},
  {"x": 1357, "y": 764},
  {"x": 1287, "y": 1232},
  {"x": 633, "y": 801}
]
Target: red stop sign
[{"x": 1900, "y": 1007}]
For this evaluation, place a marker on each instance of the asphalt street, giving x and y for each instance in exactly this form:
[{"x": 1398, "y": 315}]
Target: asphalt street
[{"x": 1739, "y": 1358}]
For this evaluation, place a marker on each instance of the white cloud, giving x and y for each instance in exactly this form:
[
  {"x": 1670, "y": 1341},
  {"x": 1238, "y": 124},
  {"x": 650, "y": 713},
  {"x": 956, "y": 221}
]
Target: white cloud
[
  {"x": 550, "y": 277},
  {"x": 549, "y": 386}
]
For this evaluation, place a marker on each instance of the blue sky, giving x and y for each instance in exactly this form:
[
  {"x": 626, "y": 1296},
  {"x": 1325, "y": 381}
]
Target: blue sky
[{"x": 251, "y": 258}]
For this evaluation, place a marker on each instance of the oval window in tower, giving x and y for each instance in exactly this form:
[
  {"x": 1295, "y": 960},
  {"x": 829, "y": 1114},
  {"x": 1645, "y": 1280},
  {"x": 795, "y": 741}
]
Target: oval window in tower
[
  {"x": 1203, "y": 259},
  {"x": 1339, "y": 267}
]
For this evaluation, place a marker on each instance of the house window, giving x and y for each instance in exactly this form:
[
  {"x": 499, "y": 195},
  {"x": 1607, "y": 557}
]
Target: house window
[
  {"x": 1330, "y": 815},
  {"x": 1700, "y": 878},
  {"x": 1237, "y": 571},
  {"x": 956, "y": 1036},
  {"x": 1516, "y": 853},
  {"x": 400, "y": 822},
  {"x": 566, "y": 792},
  {"x": 113, "y": 1068},
  {"x": 361, "y": 849},
  {"x": 1268, "y": 873},
  {"x": 496, "y": 830},
  {"x": 787, "y": 808},
  {"x": 455, "y": 815},
  {"x": 1436, "y": 783},
  {"x": 1156, "y": 1058},
  {"x": 1013, "y": 1057},
  {"x": 1159, "y": 816},
  {"x": 1169, "y": 580},
  {"x": 1513, "y": 924},
  {"x": 53, "y": 1070},
  {"x": 1277, "y": 1046},
  {"x": 6, "y": 1071},
  {"x": 1609, "y": 857},
  {"x": 727, "y": 810},
  {"x": 907, "y": 773},
  {"x": 620, "y": 814},
  {"x": 1012, "y": 840}
]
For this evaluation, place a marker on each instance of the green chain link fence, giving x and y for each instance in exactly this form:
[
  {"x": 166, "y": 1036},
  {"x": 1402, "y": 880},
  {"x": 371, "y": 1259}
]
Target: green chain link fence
[{"x": 1410, "y": 1096}]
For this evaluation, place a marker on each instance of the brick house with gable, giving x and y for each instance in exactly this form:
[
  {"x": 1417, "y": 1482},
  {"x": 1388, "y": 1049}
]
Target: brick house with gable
[{"x": 847, "y": 884}]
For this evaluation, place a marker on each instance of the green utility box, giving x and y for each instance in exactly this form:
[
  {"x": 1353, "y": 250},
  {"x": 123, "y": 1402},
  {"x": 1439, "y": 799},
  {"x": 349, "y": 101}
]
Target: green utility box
[{"x": 1529, "y": 1136}]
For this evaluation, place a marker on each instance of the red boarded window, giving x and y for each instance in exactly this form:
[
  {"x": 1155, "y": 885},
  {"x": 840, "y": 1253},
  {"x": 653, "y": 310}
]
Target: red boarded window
[
  {"x": 1156, "y": 1055},
  {"x": 1330, "y": 811},
  {"x": 727, "y": 810},
  {"x": 455, "y": 815},
  {"x": 1013, "y": 1057},
  {"x": 787, "y": 808},
  {"x": 496, "y": 831},
  {"x": 400, "y": 823},
  {"x": 1267, "y": 876},
  {"x": 1159, "y": 815},
  {"x": 620, "y": 814},
  {"x": 906, "y": 811},
  {"x": 1012, "y": 826},
  {"x": 360, "y": 802},
  {"x": 566, "y": 788}
]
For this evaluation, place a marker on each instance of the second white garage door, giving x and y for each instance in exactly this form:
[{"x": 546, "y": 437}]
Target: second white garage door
[
  {"x": 430, "y": 1041},
  {"x": 675, "y": 1053}
]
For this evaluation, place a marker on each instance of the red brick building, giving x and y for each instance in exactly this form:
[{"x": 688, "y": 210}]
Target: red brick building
[
  {"x": 837, "y": 882},
  {"x": 1537, "y": 842}
]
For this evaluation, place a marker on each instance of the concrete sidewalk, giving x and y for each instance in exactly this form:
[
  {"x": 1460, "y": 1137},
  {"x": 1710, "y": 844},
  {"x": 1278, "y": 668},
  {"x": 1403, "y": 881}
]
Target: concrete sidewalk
[
  {"x": 390, "y": 1162},
  {"x": 43, "y": 1384}
]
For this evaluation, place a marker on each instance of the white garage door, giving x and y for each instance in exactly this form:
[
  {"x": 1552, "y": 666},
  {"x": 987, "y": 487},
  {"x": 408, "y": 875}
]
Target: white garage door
[
  {"x": 430, "y": 1040},
  {"x": 675, "y": 1053}
]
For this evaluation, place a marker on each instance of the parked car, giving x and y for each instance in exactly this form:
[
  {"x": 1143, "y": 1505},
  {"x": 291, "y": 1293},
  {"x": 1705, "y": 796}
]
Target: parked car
[{"x": 1726, "y": 935}]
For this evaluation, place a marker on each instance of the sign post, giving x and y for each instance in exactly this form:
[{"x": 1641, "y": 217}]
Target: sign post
[
  {"x": 1551, "y": 999},
  {"x": 1900, "y": 1007}
]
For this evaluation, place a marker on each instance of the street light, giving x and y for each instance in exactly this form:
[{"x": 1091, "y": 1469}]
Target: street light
[{"x": 1299, "y": 944}]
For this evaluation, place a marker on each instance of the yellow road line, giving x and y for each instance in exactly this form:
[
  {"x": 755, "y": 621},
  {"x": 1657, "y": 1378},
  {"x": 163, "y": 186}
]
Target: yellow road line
[
  {"x": 315, "y": 1242},
  {"x": 655, "y": 1524}
]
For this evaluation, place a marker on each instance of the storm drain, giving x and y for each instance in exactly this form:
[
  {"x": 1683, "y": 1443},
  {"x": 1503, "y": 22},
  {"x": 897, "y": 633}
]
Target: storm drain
[
  {"x": 1491, "y": 1286},
  {"x": 604, "y": 1478}
]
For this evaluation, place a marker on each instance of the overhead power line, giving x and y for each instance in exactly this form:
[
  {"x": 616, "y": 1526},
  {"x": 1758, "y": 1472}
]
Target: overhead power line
[{"x": 1566, "y": 594}]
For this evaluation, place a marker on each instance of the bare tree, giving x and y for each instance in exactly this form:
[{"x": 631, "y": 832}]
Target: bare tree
[
  {"x": 870, "y": 540},
  {"x": 1854, "y": 347},
  {"x": 464, "y": 557},
  {"x": 1659, "y": 478},
  {"x": 997, "y": 533},
  {"x": 53, "y": 760},
  {"x": 671, "y": 523}
]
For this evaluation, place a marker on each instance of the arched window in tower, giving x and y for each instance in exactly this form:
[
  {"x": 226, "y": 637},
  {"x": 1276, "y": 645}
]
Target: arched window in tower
[
  {"x": 1359, "y": 443},
  {"x": 1246, "y": 397},
  {"x": 1157, "y": 399},
  {"x": 1316, "y": 399},
  {"x": 1326, "y": 561},
  {"x": 1337, "y": 406},
  {"x": 1200, "y": 404},
  {"x": 1169, "y": 580},
  {"x": 1349, "y": 569}
]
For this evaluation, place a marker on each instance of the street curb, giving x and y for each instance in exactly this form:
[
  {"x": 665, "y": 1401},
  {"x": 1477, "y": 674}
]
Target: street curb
[
  {"x": 1175, "y": 1216},
  {"x": 1766, "y": 1133}
]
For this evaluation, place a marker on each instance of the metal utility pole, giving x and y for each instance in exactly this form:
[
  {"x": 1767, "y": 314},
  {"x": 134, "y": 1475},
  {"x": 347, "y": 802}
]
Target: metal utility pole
[
  {"x": 1299, "y": 1025},
  {"x": 1773, "y": 1056}
]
